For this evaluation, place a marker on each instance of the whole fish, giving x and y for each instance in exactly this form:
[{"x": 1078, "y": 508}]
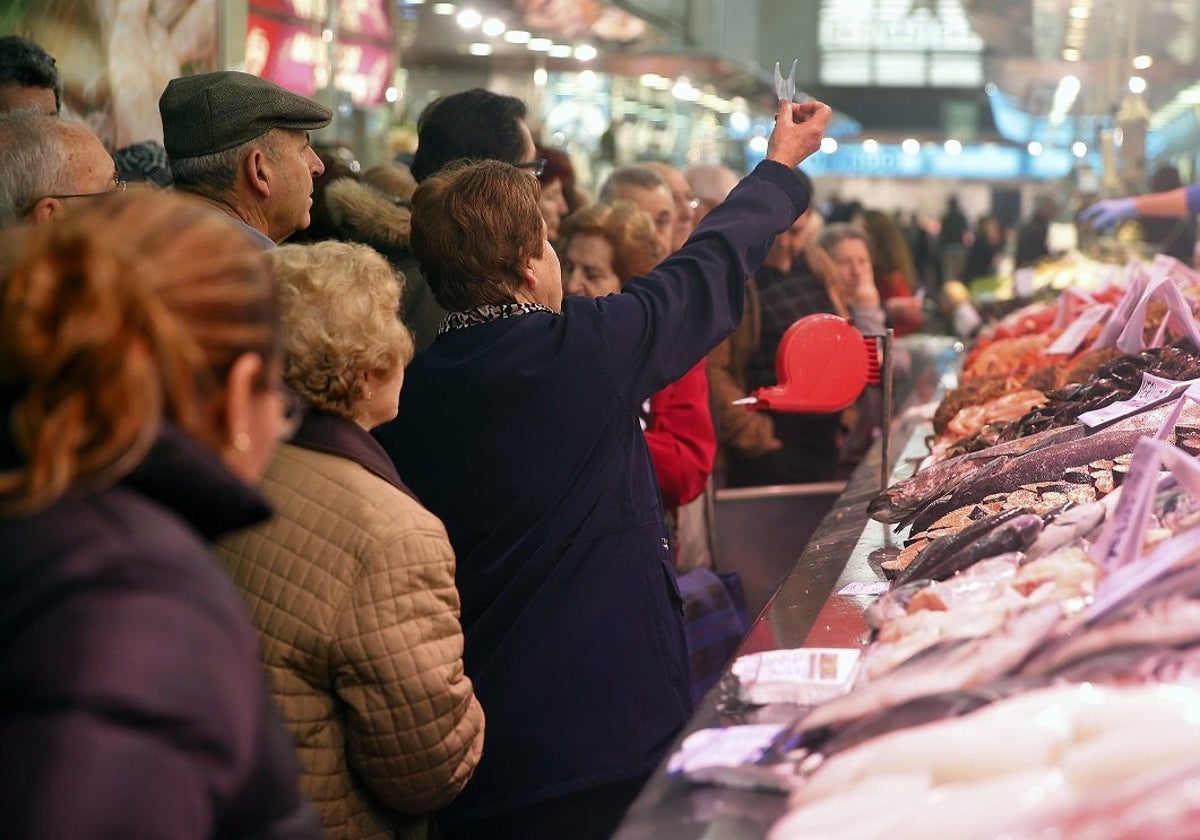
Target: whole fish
[
  {"x": 1073, "y": 524},
  {"x": 922, "y": 710},
  {"x": 1163, "y": 611},
  {"x": 945, "y": 667},
  {"x": 1028, "y": 468},
  {"x": 905, "y": 496},
  {"x": 904, "y": 499},
  {"x": 1001, "y": 533},
  {"x": 1138, "y": 664}
]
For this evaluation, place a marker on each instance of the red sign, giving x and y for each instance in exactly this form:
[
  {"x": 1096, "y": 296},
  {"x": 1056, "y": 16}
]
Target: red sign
[
  {"x": 296, "y": 57},
  {"x": 370, "y": 18}
]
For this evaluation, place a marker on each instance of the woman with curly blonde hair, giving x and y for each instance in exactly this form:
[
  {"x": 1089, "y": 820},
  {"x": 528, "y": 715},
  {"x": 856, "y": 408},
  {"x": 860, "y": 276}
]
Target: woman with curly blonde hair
[{"x": 352, "y": 584}]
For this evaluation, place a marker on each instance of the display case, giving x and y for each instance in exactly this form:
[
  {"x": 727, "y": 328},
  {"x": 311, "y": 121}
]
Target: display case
[{"x": 805, "y": 611}]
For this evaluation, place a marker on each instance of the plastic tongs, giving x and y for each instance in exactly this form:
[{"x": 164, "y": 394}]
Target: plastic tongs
[{"x": 786, "y": 88}]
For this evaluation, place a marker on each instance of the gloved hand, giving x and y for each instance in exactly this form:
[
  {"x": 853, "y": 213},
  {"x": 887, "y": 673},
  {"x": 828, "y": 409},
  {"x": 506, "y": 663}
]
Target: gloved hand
[{"x": 1104, "y": 214}]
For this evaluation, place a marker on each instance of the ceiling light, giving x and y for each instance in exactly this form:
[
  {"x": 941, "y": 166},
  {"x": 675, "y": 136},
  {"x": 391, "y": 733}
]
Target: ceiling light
[
  {"x": 540, "y": 76},
  {"x": 469, "y": 18},
  {"x": 1142, "y": 62},
  {"x": 1079, "y": 148},
  {"x": 1080, "y": 12},
  {"x": 540, "y": 44},
  {"x": 517, "y": 36},
  {"x": 1070, "y": 54},
  {"x": 953, "y": 147},
  {"x": 870, "y": 146},
  {"x": 828, "y": 145},
  {"x": 650, "y": 79},
  {"x": 444, "y": 8},
  {"x": 1137, "y": 84},
  {"x": 910, "y": 147},
  {"x": 758, "y": 144},
  {"x": 1034, "y": 148},
  {"x": 480, "y": 49},
  {"x": 493, "y": 27},
  {"x": 585, "y": 52},
  {"x": 391, "y": 94},
  {"x": 682, "y": 89},
  {"x": 559, "y": 51}
]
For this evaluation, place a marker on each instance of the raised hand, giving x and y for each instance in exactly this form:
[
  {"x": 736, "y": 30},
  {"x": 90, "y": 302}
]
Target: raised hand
[{"x": 799, "y": 128}]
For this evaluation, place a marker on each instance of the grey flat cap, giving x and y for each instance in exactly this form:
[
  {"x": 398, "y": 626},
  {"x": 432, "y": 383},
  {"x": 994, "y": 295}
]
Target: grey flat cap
[{"x": 211, "y": 112}]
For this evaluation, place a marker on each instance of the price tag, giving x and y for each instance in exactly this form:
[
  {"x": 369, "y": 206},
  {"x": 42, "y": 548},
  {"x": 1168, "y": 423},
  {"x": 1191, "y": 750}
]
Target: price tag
[
  {"x": 1075, "y": 334},
  {"x": 1023, "y": 283},
  {"x": 1154, "y": 391},
  {"x": 801, "y": 675},
  {"x": 865, "y": 587}
]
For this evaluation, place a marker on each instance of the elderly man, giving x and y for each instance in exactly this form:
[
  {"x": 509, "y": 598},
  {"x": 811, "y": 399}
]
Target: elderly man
[
  {"x": 710, "y": 183},
  {"x": 242, "y": 144},
  {"x": 47, "y": 164},
  {"x": 519, "y": 429},
  {"x": 685, "y": 202},
  {"x": 29, "y": 78},
  {"x": 643, "y": 186}
]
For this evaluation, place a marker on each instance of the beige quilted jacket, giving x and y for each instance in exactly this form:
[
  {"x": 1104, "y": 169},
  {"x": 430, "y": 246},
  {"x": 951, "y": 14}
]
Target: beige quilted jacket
[{"x": 352, "y": 590}]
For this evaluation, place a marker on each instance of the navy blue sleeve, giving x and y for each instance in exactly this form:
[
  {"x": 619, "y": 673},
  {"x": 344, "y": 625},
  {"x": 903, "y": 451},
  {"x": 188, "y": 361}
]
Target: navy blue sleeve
[{"x": 662, "y": 324}]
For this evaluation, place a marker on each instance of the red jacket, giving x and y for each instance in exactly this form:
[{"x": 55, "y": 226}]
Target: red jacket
[{"x": 682, "y": 441}]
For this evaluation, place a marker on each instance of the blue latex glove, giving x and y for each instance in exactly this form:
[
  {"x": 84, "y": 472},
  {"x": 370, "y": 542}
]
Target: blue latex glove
[{"x": 1104, "y": 214}]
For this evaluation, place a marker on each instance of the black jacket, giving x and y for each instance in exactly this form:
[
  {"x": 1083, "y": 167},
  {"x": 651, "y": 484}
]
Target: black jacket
[{"x": 132, "y": 702}]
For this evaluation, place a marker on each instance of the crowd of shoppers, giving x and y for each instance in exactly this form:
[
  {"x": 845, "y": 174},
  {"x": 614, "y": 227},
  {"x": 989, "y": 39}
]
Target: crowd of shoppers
[
  {"x": 336, "y": 504},
  {"x": 247, "y": 574}
]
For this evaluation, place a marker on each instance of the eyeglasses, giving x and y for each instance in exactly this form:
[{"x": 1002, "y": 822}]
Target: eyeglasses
[
  {"x": 537, "y": 166},
  {"x": 118, "y": 186}
]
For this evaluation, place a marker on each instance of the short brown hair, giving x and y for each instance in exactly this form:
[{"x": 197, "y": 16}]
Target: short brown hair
[
  {"x": 627, "y": 228},
  {"x": 474, "y": 226}
]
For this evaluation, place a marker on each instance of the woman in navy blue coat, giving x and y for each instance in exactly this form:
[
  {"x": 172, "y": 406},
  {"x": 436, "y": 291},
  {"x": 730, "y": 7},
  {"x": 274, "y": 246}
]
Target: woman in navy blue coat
[
  {"x": 518, "y": 428},
  {"x": 139, "y": 357}
]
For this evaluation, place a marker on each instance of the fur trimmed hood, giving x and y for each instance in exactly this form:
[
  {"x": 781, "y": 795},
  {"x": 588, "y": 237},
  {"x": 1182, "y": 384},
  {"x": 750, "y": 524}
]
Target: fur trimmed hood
[{"x": 360, "y": 213}]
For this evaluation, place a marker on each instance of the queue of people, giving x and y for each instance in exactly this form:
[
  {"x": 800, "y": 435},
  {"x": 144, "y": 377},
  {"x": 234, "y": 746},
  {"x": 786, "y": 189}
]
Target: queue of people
[
  {"x": 256, "y": 591},
  {"x": 377, "y": 505}
]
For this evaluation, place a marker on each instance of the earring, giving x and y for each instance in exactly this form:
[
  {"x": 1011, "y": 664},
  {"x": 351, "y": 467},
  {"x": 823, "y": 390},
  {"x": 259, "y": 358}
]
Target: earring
[{"x": 241, "y": 442}]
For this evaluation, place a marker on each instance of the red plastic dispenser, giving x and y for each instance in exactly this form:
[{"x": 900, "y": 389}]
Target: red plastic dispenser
[{"x": 822, "y": 365}]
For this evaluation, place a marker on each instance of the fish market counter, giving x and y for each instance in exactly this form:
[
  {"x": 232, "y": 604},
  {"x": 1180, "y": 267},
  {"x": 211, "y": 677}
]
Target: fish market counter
[{"x": 807, "y": 610}]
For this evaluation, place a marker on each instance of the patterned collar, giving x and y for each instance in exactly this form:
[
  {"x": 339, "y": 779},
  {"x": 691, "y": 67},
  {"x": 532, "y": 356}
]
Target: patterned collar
[{"x": 484, "y": 314}]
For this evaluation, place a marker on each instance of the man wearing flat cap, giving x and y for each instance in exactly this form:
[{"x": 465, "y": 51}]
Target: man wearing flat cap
[{"x": 242, "y": 143}]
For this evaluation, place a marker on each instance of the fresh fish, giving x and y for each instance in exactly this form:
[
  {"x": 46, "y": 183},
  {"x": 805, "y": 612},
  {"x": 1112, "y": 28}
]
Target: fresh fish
[
  {"x": 1163, "y": 804},
  {"x": 1136, "y": 665},
  {"x": 904, "y": 500},
  {"x": 1000, "y": 533},
  {"x": 1073, "y": 524},
  {"x": 953, "y": 666},
  {"x": 903, "y": 497},
  {"x": 893, "y": 603},
  {"x": 922, "y": 710},
  {"x": 1028, "y": 468},
  {"x": 1172, "y": 621}
]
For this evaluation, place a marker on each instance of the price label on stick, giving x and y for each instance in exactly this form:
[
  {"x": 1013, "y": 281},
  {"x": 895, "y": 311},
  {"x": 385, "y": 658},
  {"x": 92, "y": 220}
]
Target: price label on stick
[
  {"x": 1154, "y": 391},
  {"x": 1078, "y": 330}
]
